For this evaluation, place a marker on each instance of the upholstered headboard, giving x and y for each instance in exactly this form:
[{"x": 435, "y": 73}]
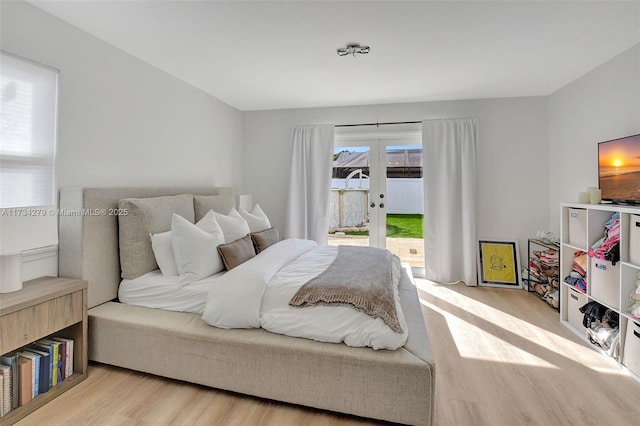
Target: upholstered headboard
[{"x": 88, "y": 228}]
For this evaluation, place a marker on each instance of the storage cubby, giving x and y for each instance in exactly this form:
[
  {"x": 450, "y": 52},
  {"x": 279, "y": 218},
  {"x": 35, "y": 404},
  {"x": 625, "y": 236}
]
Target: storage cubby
[
  {"x": 575, "y": 300},
  {"x": 596, "y": 220},
  {"x": 631, "y": 354},
  {"x": 628, "y": 285},
  {"x": 576, "y": 220},
  {"x": 605, "y": 282},
  {"x": 633, "y": 247},
  {"x": 609, "y": 284}
]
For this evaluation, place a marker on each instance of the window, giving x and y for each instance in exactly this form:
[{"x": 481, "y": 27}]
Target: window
[{"x": 28, "y": 119}]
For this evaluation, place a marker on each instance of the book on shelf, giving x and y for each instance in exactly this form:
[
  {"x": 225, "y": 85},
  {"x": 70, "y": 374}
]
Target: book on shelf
[
  {"x": 50, "y": 359},
  {"x": 5, "y": 373},
  {"x": 62, "y": 373},
  {"x": 45, "y": 368},
  {"x": 11, "y": 359},
  {"x": 35, "y": 370},
  {"x": 57, "y": 360},
  {"x": 25, "y": 386},
  {"x": 68, "y": 354}
]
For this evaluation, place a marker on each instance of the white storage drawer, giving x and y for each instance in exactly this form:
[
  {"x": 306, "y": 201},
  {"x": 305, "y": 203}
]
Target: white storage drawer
[
  {"x": 604, "y": 282},
  {"x": 631, "y": 354},
  {"x": 575, "y": 301},
  {"x": 634, "y": 239},
  {"x": 578, "y": 228}
]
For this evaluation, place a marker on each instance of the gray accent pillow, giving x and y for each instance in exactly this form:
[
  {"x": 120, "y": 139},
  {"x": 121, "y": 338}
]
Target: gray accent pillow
[
  {"x": 218, "y": 203},
  {"x": 237, "y": 252},
  {"x": 146, "y": 216},
  {"x": 263, "y": 239}
]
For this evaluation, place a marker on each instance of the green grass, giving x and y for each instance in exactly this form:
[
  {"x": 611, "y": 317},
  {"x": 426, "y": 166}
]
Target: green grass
[
  {"x": 401, "y": 226},
  {"x": 404, "y": 225}
]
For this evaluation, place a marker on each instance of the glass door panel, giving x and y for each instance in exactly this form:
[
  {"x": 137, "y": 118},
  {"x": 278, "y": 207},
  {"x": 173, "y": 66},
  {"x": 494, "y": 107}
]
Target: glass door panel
[
  {"x": 349, "y": 203},
  {"x": 377, "y": 197},
  {"x": 405, "y": 202}
]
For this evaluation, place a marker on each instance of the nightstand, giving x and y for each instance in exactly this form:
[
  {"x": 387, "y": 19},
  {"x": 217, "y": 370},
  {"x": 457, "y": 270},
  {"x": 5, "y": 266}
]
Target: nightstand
[{"x": 44, "y": 307}]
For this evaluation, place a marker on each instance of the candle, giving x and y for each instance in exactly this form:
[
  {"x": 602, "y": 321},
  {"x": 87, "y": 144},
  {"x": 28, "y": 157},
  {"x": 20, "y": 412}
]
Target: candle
[
  {"x": 584, "y": 198},
  {"x": 595, "y": 196}
]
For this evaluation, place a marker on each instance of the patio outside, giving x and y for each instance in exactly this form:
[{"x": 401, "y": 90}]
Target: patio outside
[{"x": 409, "y": 250}]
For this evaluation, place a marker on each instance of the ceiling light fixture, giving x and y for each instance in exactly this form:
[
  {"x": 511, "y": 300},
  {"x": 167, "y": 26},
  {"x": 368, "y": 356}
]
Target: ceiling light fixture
[{"x": 352, "y": 49}]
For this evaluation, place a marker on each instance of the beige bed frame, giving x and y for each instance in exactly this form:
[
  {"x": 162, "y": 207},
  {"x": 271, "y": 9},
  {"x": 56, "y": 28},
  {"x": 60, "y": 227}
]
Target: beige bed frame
[{"x": 395, "y": 386}]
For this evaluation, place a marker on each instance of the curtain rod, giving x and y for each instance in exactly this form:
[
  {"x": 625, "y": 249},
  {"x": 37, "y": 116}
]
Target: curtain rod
[{"x": 378, "y": 124}]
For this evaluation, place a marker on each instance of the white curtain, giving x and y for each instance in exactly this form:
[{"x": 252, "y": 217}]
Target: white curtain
[
  {"x": 450, "y": 163},
  {"x": 310, "y": 183}
]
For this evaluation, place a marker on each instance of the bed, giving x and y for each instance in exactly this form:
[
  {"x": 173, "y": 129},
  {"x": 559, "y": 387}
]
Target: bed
[{"x": 396, "y": 386}]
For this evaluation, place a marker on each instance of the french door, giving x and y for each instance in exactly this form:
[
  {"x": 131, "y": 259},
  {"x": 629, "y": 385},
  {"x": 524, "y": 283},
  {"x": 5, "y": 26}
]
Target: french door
[{"x": 377, "y": 194}]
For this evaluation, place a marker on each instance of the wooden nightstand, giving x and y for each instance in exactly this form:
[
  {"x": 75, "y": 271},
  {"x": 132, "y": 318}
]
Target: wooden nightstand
[{"x": 45, "y": 306}]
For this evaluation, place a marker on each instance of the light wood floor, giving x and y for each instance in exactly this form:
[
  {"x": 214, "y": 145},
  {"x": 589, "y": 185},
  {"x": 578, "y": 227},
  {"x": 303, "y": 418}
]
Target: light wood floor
[{"x": 502, "y": 358}]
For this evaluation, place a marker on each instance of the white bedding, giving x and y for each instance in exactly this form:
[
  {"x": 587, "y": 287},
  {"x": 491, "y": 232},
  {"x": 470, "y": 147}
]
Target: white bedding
[
  {"x": 323, "y": 323},
  {"x": 257, "y": 294},
  {"x": 153, "y": 290}
]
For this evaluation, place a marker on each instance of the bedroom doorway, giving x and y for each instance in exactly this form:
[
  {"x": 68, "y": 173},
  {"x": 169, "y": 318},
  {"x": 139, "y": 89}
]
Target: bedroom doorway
[{"x": 377, "y": 196}]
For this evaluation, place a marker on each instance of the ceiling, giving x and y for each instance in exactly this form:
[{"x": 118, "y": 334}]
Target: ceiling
[{"x": 282, "y": 54}]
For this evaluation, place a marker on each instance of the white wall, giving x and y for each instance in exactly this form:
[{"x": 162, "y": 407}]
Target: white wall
[
  {"x": 123, "y": 122},
  {"x": 603, "y": 104},
  {"x": 513, "y": 156}
]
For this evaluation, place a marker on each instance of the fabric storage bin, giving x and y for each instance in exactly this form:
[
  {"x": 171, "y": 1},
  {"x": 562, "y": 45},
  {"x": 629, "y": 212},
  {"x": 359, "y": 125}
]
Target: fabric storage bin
[
  {"x": 634, "y": 239},
  {"x": 631, "y": 354},
  {"x": 578, "y": 228},
  {"x": 575, "y": 301},
  {"x": 604, "y": 282}
]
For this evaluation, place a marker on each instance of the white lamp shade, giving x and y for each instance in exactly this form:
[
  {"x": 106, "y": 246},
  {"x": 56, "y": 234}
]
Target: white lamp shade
[{"x": 10, "y": 272}]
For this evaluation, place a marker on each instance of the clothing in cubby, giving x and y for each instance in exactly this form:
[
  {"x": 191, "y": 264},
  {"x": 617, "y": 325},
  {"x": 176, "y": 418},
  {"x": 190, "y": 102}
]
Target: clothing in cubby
[{"x": 608, "y": 247}]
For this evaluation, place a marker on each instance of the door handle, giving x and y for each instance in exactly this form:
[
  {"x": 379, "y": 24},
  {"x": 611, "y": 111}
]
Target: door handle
[
  {"x": 372, "y": 205},
  {"x": 382, "y": 205}
]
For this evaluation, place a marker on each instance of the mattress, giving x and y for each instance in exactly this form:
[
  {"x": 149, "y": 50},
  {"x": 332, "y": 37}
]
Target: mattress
[{"x": 153, "y": 290}]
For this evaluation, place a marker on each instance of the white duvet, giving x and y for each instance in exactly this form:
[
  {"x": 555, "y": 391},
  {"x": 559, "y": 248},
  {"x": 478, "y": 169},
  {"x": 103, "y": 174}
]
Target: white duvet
[
  {"x": 153, "y": 290},
  {"x": 257, "y": 294}
]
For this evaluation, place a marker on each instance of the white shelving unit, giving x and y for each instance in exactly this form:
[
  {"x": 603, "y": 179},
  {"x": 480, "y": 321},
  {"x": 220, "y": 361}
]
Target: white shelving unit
[{"x": 582, "y": 225}]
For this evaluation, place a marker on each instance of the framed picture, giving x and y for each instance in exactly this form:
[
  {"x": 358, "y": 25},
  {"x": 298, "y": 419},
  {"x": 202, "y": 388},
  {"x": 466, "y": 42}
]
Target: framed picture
[{"x": 498, "y": 263}]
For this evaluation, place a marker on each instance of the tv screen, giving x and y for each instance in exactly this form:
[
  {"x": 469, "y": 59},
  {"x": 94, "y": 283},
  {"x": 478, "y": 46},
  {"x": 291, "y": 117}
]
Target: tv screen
[{"x": 619, "y": 170}]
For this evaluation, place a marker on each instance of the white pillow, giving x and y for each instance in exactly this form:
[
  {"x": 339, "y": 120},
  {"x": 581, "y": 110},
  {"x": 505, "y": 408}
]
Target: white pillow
[
  {"x": 163, "y": 247},
  {"x": 196, "y": 247},
  {"x": 233, "y": 225},
  {"x": 163, "y": 251},
  {"x": 257, "y": 220}
]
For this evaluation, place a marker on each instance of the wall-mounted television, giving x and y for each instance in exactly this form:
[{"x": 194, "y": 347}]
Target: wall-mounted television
[{"x": 619, "y": 170}]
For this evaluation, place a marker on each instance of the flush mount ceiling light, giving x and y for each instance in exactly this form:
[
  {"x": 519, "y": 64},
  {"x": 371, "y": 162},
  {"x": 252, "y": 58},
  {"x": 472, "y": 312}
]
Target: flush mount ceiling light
[{"x": 352, "y": 49}]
